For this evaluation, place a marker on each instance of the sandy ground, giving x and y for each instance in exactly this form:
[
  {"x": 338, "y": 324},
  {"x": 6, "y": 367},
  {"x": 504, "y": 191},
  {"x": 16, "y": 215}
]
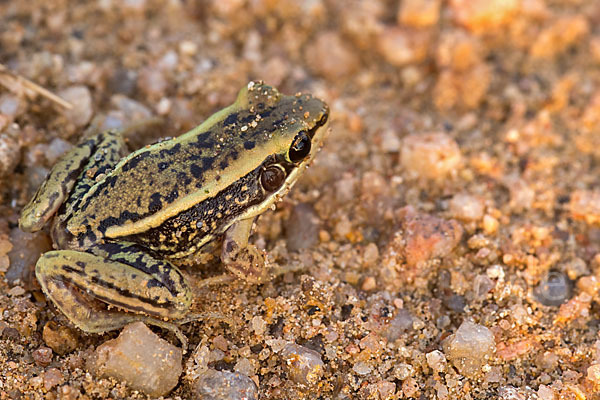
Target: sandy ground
[{"x": 459, "y": 187}]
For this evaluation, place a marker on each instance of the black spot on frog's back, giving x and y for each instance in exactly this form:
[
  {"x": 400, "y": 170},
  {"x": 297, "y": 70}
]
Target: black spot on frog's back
[
  {"x": 196, "y": 171},
  {"x": 204, "y": 140},
  {"x": 249, "y": 144},
  {"x": 155, "y": 202},
  {"x": 133, "y": 162},
  {"x": 172, "y": 196},
  {"x": 208, "y": 162},
  {"x": 231, "y": 119},
  {"x": 170, "y": 152}
]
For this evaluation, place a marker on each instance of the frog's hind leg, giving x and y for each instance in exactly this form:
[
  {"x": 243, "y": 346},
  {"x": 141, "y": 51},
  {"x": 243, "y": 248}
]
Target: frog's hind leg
[
  {"x": 118, "y": 284},
  {"x": 71, "y": 176}
]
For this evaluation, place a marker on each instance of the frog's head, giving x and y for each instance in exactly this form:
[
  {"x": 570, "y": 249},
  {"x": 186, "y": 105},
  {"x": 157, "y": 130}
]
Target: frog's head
[{"x": 288, "y": 132}]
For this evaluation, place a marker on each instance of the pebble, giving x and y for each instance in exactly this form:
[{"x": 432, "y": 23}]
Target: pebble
[
  {"x": 546, "y": 393},
  {"x": 130, "y": 109},
  {"x": 152, "y": 82},
  {"x": 403, "y": 46},
  {"x": 244, "y": 367},
  {"x": 554, "y": 289},
  {"x": 10, "y": 105},
  {"x": 27, "y": 248},
  {"x": 482, "y": 285},
  {"x": 470, "y": 348},
  {"x": 589, "y": 284},
  {"x": 220, "y": 343},
  {"x": 386, "y": 390},
  {"x": 81, "y": 99},
  {"x": 122, "y": 81},
  {"x": 42, "y": 356},
  {"x": 419, "y": 13},
  {"x": 362, "y": 368},
  {"x": 304, "y": 366},
  {"x": 480, "y": 16},
  {"x": 216, "y": 385},
  {"x": 436, "y": 360},
  {"x": 467, "y": 207},
  {"x": 426, "y": 236},
  {"x": 402, "y": 322},
  {"x": 56, "y": 149},
  {"x": 585, "y": 205},
  {"x": 432, "y": 155},
  {"x": 331, "y": 56},
  {"x": 458, "y": 51},
  {"x": 462, "y": 89},
  {"x": 302, "y": 228},
  {"x": 59, "y": 338},
  {"x": 578, "y": 306},
  {"x": 576, "y": 268},
  {"x": 53, "y": 377},
  {"x": 410, "y": 387},
  {"x": 558, "y": 37},
  {"x": 10, "y": 333},
  {"x": 593, "y": 373},
  {"x": 141, "y": 358},
  {"x": 10, "y": 154},
  {"x": 490, "y": 224},
  {"x": 16, "y": 291},
  {"x": 368, "y": 284}
]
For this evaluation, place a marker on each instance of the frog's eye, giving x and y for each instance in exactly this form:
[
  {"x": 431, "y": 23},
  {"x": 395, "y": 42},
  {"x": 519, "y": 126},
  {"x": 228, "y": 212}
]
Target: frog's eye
[
  {"x": 300, "y": 147},
  {"x": 272, "y": 178}
]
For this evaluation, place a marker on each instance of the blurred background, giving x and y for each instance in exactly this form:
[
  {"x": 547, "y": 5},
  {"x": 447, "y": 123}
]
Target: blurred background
[{"x": 447, "y": 234}]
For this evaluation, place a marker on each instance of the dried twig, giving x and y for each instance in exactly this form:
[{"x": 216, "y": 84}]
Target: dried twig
[{"x": 14, "y": 82}]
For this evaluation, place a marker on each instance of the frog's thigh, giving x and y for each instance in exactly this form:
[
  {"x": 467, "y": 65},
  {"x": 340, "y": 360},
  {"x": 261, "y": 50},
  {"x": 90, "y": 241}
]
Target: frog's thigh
[
  {"x": 240, "y": 257},
  {"x": 75, "y": 281},
  {"x": 65, "y": 174}
]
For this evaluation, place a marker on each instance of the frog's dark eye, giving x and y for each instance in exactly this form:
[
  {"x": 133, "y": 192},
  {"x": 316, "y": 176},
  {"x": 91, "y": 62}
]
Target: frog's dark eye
[
  {"x": 272, "y": 178},
  {"x": 300, "y": 147}
]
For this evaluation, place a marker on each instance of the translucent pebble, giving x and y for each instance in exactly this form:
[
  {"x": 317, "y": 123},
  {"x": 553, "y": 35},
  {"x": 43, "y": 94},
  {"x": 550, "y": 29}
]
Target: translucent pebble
[
  {"x": 216, "y": 385},
  {"x": 304, "y": 365},
  {"x": 470, "y": 348},
  {"x": 554, "y": 289},
  {"x": 466, "y": 207},
  {"x": 9, "y": 105},
  {"x": 593, "y": 373},
  {"x": 57, "y": 148},
  {"x": 436, "y": 360},
  {"x": 81, "y": 99},
  {"x": 482, "y": 285},
  {"x": 432, "y": 155},
  {"x": 140, "y": 358},
  {"x": 362, "y": 368},
  {"x": 402, "y": 322}
]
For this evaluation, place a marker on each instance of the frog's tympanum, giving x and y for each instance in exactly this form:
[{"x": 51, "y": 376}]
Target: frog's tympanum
[{"x": 122, "y": 222}]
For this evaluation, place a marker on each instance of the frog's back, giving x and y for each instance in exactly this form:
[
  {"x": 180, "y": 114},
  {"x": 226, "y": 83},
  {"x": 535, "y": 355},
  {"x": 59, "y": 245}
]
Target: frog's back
[{"x": 160, "y": 181}]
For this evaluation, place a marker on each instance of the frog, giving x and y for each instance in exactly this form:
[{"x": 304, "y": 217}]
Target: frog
[{"x": 125, "y": 225}]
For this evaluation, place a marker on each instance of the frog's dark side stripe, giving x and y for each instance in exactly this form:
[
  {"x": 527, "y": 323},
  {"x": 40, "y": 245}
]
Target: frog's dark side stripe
[{"x": 186, "y": 232}]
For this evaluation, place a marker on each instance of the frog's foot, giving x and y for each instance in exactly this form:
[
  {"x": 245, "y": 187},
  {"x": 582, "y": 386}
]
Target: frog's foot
[
  {"x": 247, "y": 263},
  {"x": 118, "y": 285},
  {"x": 244, "y": 260}
]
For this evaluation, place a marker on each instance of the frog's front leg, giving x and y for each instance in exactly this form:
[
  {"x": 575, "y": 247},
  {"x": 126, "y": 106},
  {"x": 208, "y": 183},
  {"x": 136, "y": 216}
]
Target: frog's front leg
[
  {"x": 119, "y": 283},
  {"x": 243, "y": 259}
]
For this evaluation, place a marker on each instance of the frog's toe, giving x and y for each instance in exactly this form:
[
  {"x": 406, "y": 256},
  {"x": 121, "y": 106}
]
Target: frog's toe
[{"x": 249, "y": 265}]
